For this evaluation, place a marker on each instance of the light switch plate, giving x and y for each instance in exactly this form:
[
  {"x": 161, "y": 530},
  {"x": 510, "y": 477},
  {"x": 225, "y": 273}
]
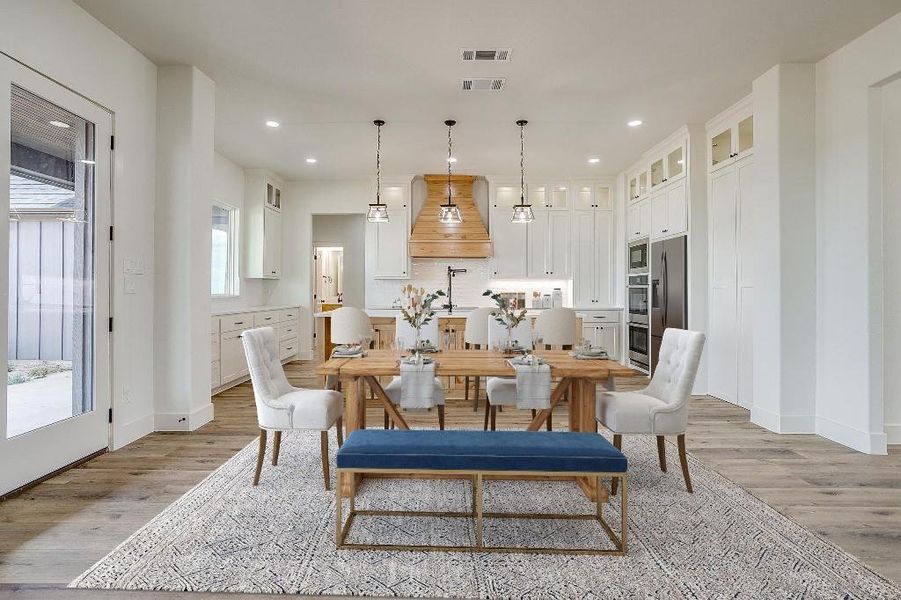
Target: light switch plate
[
  {"x": 129, "y": 285},
  {"x": 135, "y": 266}
]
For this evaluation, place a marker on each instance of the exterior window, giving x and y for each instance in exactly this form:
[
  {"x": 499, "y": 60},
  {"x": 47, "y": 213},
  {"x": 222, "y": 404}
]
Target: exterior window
[{"x": 224, "y": 265}]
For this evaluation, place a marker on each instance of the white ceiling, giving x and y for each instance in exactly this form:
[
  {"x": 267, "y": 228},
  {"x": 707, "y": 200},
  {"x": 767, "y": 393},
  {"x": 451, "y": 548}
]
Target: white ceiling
[{"x": 579, "y": 70}]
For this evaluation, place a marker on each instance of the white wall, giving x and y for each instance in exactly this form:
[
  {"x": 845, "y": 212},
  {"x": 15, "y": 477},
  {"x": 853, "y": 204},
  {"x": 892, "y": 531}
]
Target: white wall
[
  {"x": 849, "y": 237},
  {"x": 186, "y": 118},
  {"x": 891, "y": 227},
  {"x": 88, "y": 58},
  {"x": 228, "y": 188},
  {"x": 784, "y": 250}
]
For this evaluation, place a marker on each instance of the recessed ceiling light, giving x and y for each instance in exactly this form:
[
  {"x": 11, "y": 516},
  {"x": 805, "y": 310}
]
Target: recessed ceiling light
[
  {"x": 311, "y": 160},
  {"x": 272, "y": 124},
  {"x": 634, "y": 123},
  {"x": 452, "y": 159},
  {"x": 680, "y": 161},
  {"x": 88, "y": 162},
  {"x": 60, "y": 124},
  {"x": 594, "y": 160}
]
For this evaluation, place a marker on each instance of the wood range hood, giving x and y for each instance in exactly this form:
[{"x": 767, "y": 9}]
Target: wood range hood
[{"x": 434, "y": 239}]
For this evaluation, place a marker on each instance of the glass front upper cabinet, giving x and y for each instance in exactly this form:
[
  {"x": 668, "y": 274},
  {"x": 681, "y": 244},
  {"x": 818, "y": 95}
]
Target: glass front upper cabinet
[
  {"x": 675, "y": 163},
  {"x": 745, "y": 134},
  {"x": 643, "y": 183},
  {"x": 602, "y": 197},
  {"x": 537, "y": 196},
  {"x": 558, "y": 197},
  {"x": 584, "y": 198},
  {"x": 721, "y": 147},
  {"x": 656, "y": 173},
  {"x": 633, "y": 188}
]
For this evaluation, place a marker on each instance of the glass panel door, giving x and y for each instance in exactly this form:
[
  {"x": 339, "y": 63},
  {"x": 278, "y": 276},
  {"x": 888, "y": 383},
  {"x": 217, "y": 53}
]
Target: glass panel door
[
  {"x": 746, "y": 134},
  {"x": 656, "y": 173},
  {"x": 633, "y": 188},
  {"x": 558, "y": 197},
  {"x": 675, "y": 163},
  {"x": 584, "y": 198},
  {"x": 537, "y": 196},
  {"x": 55, "y": 400},
  {"x": 721, "y": 147}
]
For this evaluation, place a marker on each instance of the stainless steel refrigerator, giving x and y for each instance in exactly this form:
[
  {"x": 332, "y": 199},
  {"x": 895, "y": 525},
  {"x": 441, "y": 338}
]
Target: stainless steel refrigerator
[{"x": 669, "y": 287}]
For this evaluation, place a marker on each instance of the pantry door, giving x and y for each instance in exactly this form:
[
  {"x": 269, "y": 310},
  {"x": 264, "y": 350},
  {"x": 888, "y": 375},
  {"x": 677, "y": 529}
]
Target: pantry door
[{"x": 55, "y": 162}]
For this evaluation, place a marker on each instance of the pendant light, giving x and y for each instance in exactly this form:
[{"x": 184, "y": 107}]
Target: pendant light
[
  {"x": 522, "y": 212},
  {"x": 449, "y": 213},
  {"x": 378, "y": 212}
]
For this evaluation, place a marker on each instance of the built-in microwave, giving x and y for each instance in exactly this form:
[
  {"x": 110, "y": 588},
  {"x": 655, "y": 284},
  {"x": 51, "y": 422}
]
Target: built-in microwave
[{"x": 638, "y": 257}]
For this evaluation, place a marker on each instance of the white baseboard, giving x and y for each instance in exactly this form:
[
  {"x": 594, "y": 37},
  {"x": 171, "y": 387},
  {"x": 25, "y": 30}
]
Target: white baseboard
[
  {"x": 783, "y": 423},
  {"x": 126, "y": 433},
  {"x": 863, "y": 441},
  {"x": 184, "y": 421},
  {"x": 893, "y": 433}
]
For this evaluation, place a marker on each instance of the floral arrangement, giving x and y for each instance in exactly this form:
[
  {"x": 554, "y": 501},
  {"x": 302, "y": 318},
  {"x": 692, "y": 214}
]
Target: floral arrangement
[
  {"x": 417, "y": 310},
  {"x": 506, "y": 313}
]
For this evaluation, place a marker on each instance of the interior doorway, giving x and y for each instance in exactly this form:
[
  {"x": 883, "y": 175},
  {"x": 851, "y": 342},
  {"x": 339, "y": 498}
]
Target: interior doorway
[{"x": 328, "y": 269}]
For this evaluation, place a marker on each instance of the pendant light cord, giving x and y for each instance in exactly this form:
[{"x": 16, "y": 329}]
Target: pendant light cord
[
  {"x": 522, "y": 168},
  {"x": 378, "y": 166},
  {"x": 449, "y": 164}
]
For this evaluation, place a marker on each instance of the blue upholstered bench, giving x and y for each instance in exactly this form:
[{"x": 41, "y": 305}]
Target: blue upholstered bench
[{"x": 474, "y": 455}]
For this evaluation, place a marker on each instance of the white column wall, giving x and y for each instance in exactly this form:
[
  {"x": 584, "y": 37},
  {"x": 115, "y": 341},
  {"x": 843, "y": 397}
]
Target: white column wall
[
  {"x": 785, "y": 250},
  {"x": 891, "y": 227},
  {"x": 185, "y": 126}
]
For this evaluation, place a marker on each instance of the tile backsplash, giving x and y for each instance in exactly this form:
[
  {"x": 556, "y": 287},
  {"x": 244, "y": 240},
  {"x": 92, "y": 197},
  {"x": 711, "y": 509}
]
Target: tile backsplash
[{"x": 468, "y": 287}]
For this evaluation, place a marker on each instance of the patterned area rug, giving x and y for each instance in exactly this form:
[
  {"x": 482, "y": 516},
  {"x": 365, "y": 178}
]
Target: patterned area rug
[{"x": 227, "y": 536}]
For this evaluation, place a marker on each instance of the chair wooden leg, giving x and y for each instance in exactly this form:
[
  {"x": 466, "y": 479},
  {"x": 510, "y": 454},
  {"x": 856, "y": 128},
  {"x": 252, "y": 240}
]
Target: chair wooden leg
[
  {"x": 661, "y": 452},
  {"x": 475, "y": 402},
  {"x": 260, "y": 455},
  {"x": 323, "y": 447},
  {"x": 684, "y": 460},
  {"x": 441, "y": 417},
  {"x": 387, "y": 420},
  {"x": 493, "y": 418},
  {"x": 339, "y": 430},
  {"x": 466, "y": 388},
  {"x": 487, "y": 412},
  {"x": 618, "y": 444},
  {"x": 550, "y": 420},
  {"x": 276, "y": 446}
]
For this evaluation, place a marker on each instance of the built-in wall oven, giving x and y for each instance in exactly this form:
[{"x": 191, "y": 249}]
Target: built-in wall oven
[
  {"x": 638, "y": 257},
  {"x": 639, "y": 345},
  {"x": 637, "y": 299}
]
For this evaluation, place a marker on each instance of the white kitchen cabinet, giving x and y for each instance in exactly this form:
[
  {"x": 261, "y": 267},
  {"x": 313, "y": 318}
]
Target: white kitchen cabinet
[
  {"x": 510, "y": 257},
  {"x": 639, "y": 219},
  {"x": 730, "y": 337},
  {"x": 392, "y": 259},
  {"x": 731, "y": 138},
  {"x": 669, "y": 211},
  {"x": 228, "y": 365},
  {"x": 549, "y": 245},
  {"x": 589, "y": 196},
  {"x": 232, "y": 363},
  {"x": 592, "y": 258},
  {"x": 262, "y": 225},
  {"x": 604, "y": 335}
]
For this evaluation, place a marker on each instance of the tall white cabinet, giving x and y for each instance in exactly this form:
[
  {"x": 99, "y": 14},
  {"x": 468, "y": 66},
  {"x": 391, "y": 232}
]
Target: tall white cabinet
[
  {"x": 730, "y": 219},
  {"x": 390, "y": 253},
  {"x": 263, "y": 225},
  {"x": 593, "y": 238}
]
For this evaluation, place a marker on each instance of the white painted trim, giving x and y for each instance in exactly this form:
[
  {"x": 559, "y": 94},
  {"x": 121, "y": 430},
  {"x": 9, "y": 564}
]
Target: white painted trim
[
  {"x": 863, "y": 441},
  {"x": 800, "y": 424},
  {"x": 126, "y": 433},
  {"x": 182, "y": 421},
  {"x": 893, "y": 433}
]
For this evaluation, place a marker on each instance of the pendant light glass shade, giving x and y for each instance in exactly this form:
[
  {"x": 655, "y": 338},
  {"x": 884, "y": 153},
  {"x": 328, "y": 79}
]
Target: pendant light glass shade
[
  {"x": 378, "y": 212},
  {"x": 522, "y": 212},
  {"x": 449, "y": 213}
]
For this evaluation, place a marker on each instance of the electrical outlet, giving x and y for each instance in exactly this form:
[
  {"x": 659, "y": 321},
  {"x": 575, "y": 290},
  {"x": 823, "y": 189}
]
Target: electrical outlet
[{"x": 129, "y": 285}]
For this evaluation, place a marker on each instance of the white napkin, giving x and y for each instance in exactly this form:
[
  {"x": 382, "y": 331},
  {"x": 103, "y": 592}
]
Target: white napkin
[
  {"x": 417, "y": 384},
  {"x": 533, "y": 383}
]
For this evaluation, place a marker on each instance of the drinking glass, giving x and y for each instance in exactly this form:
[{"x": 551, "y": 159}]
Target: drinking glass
[{"x": 398, "y": 344}]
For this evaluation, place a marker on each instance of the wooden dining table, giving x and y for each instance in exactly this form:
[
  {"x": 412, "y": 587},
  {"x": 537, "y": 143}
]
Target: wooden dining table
[{"x": 579, "y": 377}]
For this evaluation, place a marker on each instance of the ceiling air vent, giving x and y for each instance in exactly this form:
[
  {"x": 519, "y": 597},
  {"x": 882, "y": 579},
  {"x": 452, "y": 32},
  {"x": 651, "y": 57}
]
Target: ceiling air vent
[
  {"x": 484, "y": 84},
  {"x": 488, "y": 54}
]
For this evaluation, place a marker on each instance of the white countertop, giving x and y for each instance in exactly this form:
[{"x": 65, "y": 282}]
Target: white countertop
[{"x": 235, "y": 311}]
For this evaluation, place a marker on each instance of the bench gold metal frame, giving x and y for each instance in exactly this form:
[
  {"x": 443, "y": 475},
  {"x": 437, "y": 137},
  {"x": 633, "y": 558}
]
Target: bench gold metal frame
[{"x": 349, "y": 477}]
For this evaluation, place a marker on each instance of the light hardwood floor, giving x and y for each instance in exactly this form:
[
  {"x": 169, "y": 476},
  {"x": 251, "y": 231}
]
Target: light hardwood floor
[{"x": 49, "y": 534}]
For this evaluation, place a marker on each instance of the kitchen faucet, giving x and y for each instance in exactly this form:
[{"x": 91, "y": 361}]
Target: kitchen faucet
[{"x": 451, "y": 273}]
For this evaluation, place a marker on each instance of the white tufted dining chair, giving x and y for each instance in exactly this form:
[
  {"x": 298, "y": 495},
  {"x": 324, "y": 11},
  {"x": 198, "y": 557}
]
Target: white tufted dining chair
[
  {"x": 283, "y": 407},
  {"x": 476, "y": 336},
  {"x": 660, "y": 409},
  {"x": 406, "y": 333},
  {"x": 557, "y": 327}
]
